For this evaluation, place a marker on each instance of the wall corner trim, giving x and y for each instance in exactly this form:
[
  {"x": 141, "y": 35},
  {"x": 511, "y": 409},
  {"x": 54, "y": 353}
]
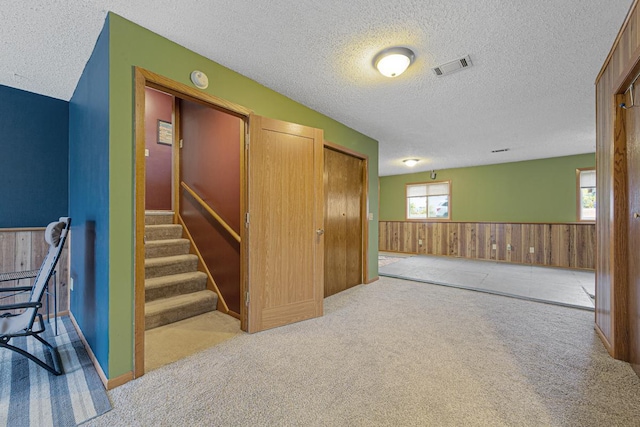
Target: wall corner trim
[
  {"x": 605, "y": 341},
  {"x": 108, "y": 383}
]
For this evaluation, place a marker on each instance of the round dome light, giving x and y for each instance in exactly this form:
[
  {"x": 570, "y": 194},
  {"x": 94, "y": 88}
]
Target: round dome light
[{"x": 393, "y": 61}]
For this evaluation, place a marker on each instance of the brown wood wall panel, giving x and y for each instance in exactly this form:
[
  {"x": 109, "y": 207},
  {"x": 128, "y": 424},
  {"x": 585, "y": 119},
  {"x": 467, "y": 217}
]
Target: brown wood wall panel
[
  {"x": 220, "y": 252},
  {"x": 611, "y": 174},
  {"x": 210, "y": 165},
  {"x": 556, "y": 245},
  {"x": 25, "y": 250},
  {"x": 210, "y": 158}
]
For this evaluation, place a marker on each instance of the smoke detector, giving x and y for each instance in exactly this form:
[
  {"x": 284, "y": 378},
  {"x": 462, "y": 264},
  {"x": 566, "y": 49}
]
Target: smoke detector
[{"x": 452, "y": 66}]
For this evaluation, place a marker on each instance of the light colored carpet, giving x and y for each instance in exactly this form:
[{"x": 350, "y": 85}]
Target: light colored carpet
[
  {"x": 560, "y": 286},
  {"x": 397, "y": 353},
  {"x": 175, "y": 341}
]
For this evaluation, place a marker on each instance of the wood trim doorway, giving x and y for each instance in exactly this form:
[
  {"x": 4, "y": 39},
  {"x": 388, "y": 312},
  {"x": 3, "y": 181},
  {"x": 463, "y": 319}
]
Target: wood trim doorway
[
  {"x": 364, "y": 208},
  {"x": 144, "y": 78}
]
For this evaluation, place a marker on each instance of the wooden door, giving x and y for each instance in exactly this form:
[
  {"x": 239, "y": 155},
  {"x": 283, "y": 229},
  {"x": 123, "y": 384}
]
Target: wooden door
[
  {"x": 285, "y": 204},
  {"x": 343, "y": 221},
  {"x": 632, "y": 120}
]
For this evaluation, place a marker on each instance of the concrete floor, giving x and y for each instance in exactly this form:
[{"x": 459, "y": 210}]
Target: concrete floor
[{"x": 551, "y": 285}]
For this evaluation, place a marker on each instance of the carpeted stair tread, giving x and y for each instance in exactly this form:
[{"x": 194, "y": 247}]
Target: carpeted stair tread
[
  {"x": 168, "y": 247},
  {"x": 169, "y": 310},
  {"x": 166, "y": 266},
  {"x": 175, "y": 284},
  {"x": 158, "y": 217},
  {"x": 162, "y": 232},
  {"x": 174, "y": 288}
]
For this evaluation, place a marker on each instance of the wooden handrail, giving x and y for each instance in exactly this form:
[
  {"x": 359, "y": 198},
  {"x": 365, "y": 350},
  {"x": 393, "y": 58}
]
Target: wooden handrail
[{"x": 211, "y": 211}]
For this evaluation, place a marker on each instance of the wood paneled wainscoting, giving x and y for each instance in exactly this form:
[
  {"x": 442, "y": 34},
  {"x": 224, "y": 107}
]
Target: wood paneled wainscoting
[
  {"x": 570, "y": 245},
  {"x": 23, "y": 250}
]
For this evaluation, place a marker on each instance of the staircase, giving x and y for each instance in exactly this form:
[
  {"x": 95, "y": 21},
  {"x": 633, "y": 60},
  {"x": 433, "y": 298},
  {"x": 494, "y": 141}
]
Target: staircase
[{"x": 174, "y": 288}]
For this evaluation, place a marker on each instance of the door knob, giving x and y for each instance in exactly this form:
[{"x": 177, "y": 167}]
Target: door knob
[
  {"x": 319, "y": 231},
  {"x": 636, "y": 215}
]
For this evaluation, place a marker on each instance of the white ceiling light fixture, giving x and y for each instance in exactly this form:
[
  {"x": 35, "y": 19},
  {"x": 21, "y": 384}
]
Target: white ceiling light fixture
[
  {"x": 411, "y": 162},
  {"x": 393, "y": 61}
]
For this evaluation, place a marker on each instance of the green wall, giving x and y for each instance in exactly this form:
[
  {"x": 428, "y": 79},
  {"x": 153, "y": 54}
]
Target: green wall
[
  {"x": 132, "y": 45},
  {"x": 531, "y": 191}
]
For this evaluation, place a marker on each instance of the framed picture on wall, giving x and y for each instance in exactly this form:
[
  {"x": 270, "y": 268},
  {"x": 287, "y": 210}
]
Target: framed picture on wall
[{"x": 165, "y": 132}]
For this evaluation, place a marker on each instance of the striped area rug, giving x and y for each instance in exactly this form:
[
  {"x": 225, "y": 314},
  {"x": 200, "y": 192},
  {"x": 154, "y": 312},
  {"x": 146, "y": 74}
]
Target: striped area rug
[{"x": 31, "y": 396}]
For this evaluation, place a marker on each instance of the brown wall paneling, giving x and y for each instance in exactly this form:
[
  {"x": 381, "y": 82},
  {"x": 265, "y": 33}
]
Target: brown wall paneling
[
  {"x": 454, "y": 234},
  {"x": 210, "y": 165},
  {"x": 612, "y": 284},
  {"x": 604, "y": 186},
  {"x": 558, "y": 245},
  {"x": 483, "y": 247},
  {"x": 441, "y": 231},
  {"x": 210, "y": 158},
  {"x": 220, "y": 251},
  {"x": 24, "y": 250},
  {"x": 632, "y": 116},
  {"x": 500, "y": 237},
  {"x": 158, "y": 106},
  {"x": 513, "y": 235}
]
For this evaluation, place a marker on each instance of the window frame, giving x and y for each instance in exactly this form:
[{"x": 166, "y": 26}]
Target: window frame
[
  {"x": 427, "y": 219},
  {"x": 579, "y": 195}
]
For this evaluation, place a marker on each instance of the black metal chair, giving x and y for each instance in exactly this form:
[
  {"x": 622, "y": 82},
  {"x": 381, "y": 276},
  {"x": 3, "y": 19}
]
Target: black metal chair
[{"x": 22, "y": 323}]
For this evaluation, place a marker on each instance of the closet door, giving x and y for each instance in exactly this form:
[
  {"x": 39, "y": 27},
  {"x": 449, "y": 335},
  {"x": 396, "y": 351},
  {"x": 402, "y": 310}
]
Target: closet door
[
  {"x": 285, "y": 230},
  {"x": 343, "y": 246}
]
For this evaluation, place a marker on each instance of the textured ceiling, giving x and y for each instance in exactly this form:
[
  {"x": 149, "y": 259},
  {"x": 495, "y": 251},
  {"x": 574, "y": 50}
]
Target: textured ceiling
[{"x": 531, "y": 87}]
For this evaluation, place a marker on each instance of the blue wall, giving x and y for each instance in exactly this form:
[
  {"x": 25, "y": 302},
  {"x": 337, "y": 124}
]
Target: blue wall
[
  {"x": 34, "y": 158},
  {"x": 89, "y": 199}
]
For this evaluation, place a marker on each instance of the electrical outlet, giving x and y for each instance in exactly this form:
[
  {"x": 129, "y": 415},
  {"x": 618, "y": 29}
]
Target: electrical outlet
[
  {"x": 71, "y": 283},
  {"x": 509, "y": 247},
  {"x": 494, "y": 247},
  {"x": 420, "y": 242},
  {"x": 532, "y": 250}
]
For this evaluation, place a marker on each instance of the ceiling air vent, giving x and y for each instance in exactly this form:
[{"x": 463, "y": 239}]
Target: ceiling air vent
[
  {"x": 453, "y": 66},
  {"x": 501, "y": 150}
]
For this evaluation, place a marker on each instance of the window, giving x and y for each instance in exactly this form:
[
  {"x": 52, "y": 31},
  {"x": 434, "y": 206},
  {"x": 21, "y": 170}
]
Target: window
[
  {"x": 429, "y": 200},
  {"x": 586, "y": 194}
]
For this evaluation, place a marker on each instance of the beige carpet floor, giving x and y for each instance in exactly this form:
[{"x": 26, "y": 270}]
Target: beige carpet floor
[
  {"x": 552, "y": 285},
  {"x": 397, "y": 353},
  {"x": 178, "y": 340}
]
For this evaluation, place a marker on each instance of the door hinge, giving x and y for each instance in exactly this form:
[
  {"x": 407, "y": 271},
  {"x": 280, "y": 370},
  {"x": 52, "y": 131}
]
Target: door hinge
[
  {"x": 181, "y": 142},
  {"x": 246, "y": 219},
  {"x": 246, "y": 298}
]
